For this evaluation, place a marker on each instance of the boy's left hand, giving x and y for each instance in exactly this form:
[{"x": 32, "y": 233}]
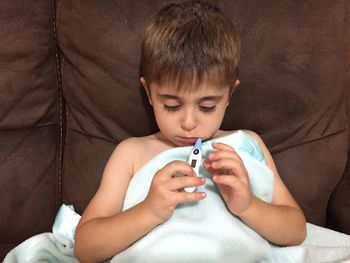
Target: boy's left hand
[{"x": 231, "y": 177}]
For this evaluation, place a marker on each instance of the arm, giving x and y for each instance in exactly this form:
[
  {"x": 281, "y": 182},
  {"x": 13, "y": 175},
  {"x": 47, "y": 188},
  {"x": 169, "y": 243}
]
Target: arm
[
  {"x": 104, "y": 230},
  {"x": 284, "y": 223},
  {"x": 281, "y": 222},
  {"x": 101, "y": 231}
]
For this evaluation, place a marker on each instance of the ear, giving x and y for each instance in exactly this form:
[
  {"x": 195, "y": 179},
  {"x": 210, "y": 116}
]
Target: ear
[
  {"x": 232, "y": 89},
  {"x": 237, "y": 82},
  {"x": 146, "y": 87}
]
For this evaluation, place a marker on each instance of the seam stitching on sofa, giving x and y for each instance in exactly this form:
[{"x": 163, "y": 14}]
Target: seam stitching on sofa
[{"x": 60, "y": 104}]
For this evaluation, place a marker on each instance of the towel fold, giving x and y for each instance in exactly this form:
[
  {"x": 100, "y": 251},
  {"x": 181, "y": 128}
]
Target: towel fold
[
  {"x": 322, "y": 245},
  {"x": 63, "y": 231},
  {"x": 202, "y": 232},
  {"x": 50, "y": 247}
]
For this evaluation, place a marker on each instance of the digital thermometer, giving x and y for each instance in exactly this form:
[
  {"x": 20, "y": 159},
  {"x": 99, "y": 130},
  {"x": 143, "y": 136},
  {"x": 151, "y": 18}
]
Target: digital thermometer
[{"x": 194, "y": 160}]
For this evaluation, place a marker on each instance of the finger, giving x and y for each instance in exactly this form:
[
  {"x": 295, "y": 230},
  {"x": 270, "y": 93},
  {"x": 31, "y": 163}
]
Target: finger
[
  {"x": 177, "y": 167},
  {"x": 207, "y": 165},
  {"x": 222, "y": 146},
  {"x": 219, "y": 147},
  {"x": 184, "y": 197},
  {"x": 222, "y": 154},
  {"x": 231, "y": 181},
  {"x": 230, "y": 167},
  {"x": 181, "y": 182}
]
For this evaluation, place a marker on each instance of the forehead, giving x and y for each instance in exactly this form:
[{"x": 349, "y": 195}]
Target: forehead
[
  {"x": 192, "y": 80},
  {"x": 204, "y": 89}
]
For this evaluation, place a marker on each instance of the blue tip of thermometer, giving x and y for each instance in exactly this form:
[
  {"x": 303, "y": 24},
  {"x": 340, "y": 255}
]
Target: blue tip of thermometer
[{"x": 194, "y": 160}]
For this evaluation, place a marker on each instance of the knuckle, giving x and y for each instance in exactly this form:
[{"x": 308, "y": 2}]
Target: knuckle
[
  {"x": 176, "y": 163},
  {"x": 181, "y": 180},
  {"x": 178, "y": 166},
  {"x": 171, "y": 165},
  {"x": 156, "y": 180}
]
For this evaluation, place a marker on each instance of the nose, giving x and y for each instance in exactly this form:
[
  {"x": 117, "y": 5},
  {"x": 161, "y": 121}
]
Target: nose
[{"x": 188, "y": 121}]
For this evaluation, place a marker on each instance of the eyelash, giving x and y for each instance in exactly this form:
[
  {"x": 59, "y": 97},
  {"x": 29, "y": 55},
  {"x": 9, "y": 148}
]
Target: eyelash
[
  {"x": 207, "y": 109},
  {"x": 172, "y": 109}
]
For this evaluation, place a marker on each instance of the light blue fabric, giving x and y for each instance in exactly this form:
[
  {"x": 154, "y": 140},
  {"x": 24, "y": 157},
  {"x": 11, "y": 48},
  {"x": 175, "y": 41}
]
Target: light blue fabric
[
  {"x": 198, "y": 232},
  {"x": 204, "y": 231},
  {"x": 50, "y": 247}
]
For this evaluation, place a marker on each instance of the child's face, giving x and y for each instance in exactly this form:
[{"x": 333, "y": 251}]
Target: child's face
[{"x": 183, "y": 116}]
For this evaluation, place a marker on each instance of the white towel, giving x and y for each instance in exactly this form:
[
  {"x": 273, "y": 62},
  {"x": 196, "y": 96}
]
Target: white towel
[
  {"x": 49, "y": 247},
  {"x": 199, "y": 232}
]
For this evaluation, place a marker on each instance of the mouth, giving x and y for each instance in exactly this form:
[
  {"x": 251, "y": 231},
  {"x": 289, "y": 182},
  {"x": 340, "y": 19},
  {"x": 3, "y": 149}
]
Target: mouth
[{"x": 188, "y": 140}]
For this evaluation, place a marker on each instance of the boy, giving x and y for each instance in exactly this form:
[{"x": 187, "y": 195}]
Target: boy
[{"x": 189, "y": 69}]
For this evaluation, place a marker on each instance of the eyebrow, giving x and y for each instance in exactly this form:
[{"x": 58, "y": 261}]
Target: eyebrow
[{"x": 205, "y": 98}]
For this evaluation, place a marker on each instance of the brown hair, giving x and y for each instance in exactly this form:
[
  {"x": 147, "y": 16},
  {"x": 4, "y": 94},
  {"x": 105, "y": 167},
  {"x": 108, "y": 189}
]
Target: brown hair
[{"x": 190, "y": 42}]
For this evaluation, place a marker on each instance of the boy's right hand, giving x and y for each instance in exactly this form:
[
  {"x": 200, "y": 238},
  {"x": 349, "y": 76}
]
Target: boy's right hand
[{"x": 166, "y": 190}]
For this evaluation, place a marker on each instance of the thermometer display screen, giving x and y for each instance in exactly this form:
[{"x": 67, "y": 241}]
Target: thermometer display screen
[{"x": 193, "y": 163}]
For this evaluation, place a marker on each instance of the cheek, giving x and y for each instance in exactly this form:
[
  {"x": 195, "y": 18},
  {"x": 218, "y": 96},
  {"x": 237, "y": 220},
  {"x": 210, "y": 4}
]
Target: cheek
[
  {"x": 216, "y": 122},
  {"x": 217, "y": 118},
  {"x": 164, "y": 120}
]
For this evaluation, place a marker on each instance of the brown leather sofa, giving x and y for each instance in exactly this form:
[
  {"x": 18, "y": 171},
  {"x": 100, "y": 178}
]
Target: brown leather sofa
[{"x": 70, "y": 92}]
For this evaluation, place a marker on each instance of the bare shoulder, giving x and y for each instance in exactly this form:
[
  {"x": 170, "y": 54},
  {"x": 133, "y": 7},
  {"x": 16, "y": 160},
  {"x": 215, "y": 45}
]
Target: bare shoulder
[
  {"x": 139, "y": 142},
  {"x": 138, "y": 150},
  {"x": 254, "y": 135},
  {"x": 137, "y": 145},
  {"x": 118, "y": 172},
  {"x": 130, "y": 145},
  {"x": 259, "y": 140},
  {"x": 262, "y": 145},
  {"x": 129, "y": 151}
]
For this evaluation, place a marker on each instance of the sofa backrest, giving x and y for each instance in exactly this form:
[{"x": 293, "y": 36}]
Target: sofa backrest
[
  {"x": 294, "y": 91},
  {"x": 294, "y": 72},
  {"x": 30, "y": 124}
]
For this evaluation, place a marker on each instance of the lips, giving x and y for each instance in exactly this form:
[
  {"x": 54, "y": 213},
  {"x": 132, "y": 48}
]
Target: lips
[{"x": 188, "y": 140}]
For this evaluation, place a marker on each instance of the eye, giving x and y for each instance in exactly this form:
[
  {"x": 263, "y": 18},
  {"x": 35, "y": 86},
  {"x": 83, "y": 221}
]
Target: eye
[
  {"x": 171, "y": 108},
  {"x": 207, "y": 109}
]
